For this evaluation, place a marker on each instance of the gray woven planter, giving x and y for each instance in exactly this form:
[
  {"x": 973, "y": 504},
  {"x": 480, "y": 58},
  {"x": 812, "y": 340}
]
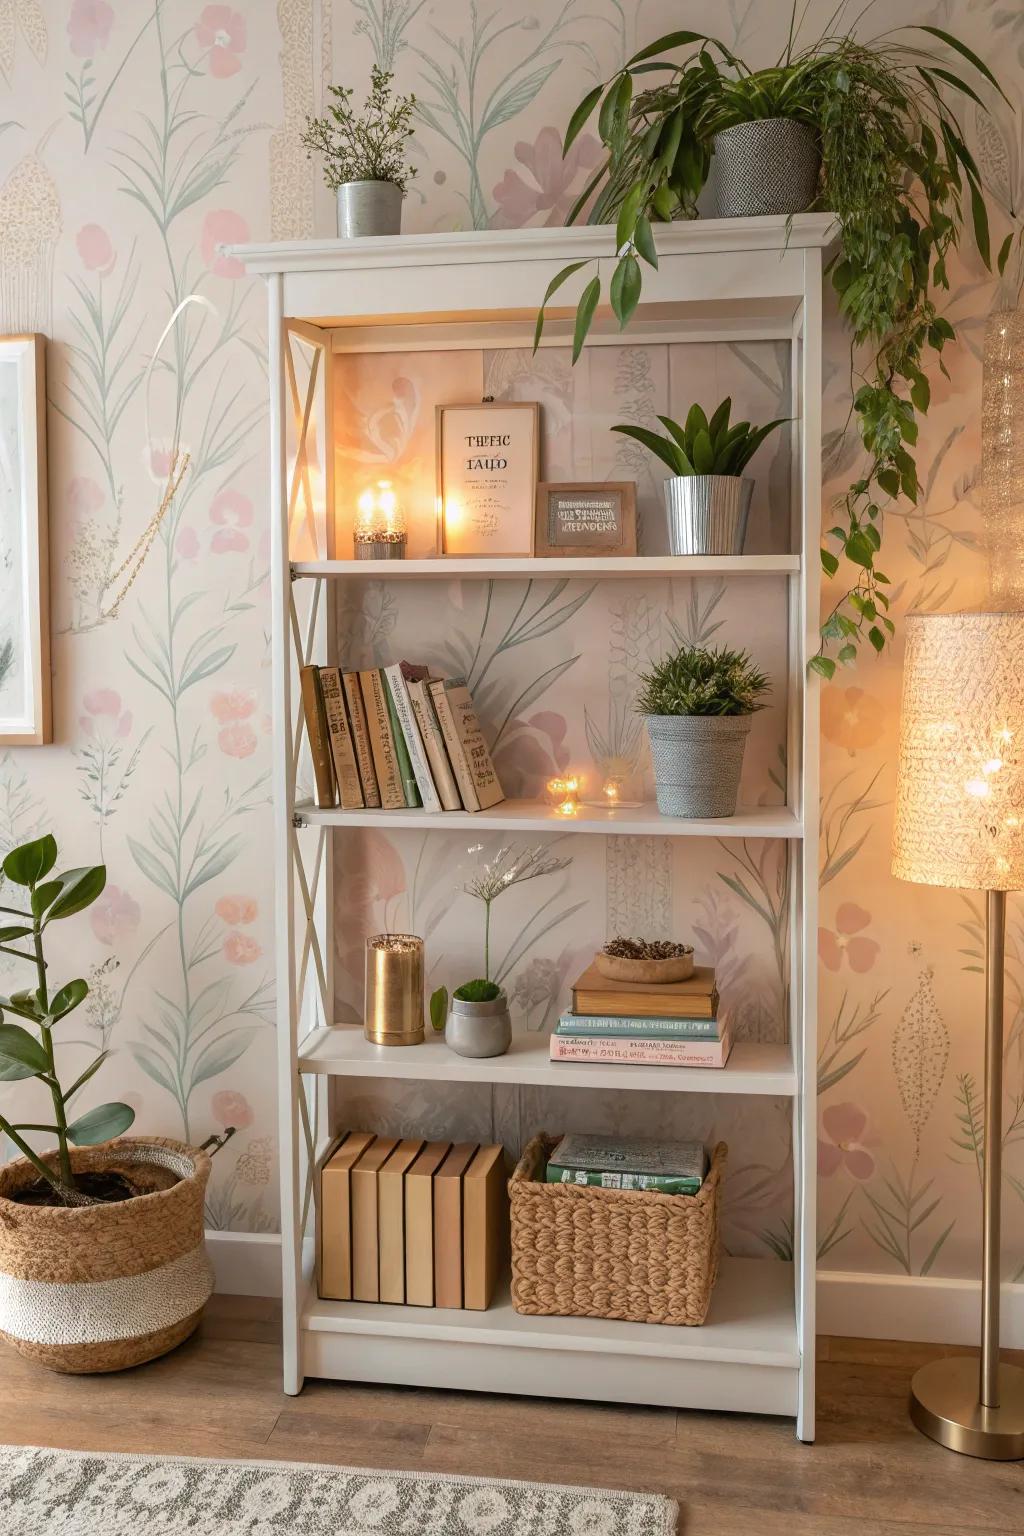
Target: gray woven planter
[
  {"x": 697, "y": 762},
  {"x": 369, "y": 208},
  {"x": 770, "y": 166},
  {"x": 707, "y": 514}
]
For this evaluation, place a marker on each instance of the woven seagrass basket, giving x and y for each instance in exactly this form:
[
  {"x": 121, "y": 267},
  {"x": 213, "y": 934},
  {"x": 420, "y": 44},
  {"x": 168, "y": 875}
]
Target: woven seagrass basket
[
  {"x": 101, "y": 1287},
  {"x": 628, "y": 1254}
]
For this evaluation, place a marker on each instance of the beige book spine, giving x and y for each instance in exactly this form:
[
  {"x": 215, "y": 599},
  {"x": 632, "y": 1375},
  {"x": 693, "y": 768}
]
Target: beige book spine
[
  {"x": 485, "y": 780},
  {"x": 336, "y": 1217},
  {"x": 456, "y": 753},
  {"x": 316, "y": 731},
  {"x": 484, "y": 1226},
  {"x": 343, "y": 751},
  {"x": 391, "y": 1219},
  {"x": 365, "y": 1262},
  {"x": 433, "y": 744},
  {"x": 382, "y": 743},
  {"x": 361, "y": 738},
  {"x": 419, "y": 1224},
  {"x": 448, "y": 1225}
]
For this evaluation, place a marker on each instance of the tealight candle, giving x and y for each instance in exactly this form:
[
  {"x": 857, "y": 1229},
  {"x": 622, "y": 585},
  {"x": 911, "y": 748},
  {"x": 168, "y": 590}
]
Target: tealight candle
[{"x": 379, "y": 532}]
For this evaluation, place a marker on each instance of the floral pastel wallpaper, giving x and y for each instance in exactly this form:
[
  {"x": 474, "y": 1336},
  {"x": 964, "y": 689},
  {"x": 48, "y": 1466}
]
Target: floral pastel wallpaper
[{"x": 137, "y": 137}]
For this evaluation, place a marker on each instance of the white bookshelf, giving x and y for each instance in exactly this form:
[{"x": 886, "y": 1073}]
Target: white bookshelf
[{"x": 727, "y": 280}]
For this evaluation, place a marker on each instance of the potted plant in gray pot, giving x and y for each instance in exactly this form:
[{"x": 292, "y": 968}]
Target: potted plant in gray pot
[
  {"x": 708, "y": 497},
  {"x": 479, "y": 1023},
  {"x": 698, "y": 705},
  {"x": 364, "y": 156}
]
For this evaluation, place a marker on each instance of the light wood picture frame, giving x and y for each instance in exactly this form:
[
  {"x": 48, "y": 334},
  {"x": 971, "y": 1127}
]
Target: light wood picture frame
[
  {"x": 585, "y": 518},
  {"x": 488, "y": 465},
  {"x": 25, "y": 692}
]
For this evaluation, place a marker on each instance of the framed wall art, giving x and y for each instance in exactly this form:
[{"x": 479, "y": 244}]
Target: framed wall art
[
  {"x": 586, "y": 519},
  {"x": 488, "y": 462},
  {"x": 25, "y": 718}
]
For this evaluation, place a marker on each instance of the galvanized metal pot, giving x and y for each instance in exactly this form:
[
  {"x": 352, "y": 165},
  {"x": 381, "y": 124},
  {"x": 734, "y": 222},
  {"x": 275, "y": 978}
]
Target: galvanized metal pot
[
  {"x": 707, "y": 514},
  {"x": 369, "y": 208},
  {"x": 479, "y": 1029},
  {"x": 770, "y": 166},
  {"x": 697, "y": 762}
]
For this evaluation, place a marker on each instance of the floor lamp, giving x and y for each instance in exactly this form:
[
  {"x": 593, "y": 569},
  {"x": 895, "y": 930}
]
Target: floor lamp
[{"x": 960, "y": 822}]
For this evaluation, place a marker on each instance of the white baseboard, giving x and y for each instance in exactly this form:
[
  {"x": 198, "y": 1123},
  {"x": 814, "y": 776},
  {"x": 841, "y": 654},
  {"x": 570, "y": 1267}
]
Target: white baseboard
[
  {"x": 246, "y": 1263},
  {"x": 927, "y": 1309}
]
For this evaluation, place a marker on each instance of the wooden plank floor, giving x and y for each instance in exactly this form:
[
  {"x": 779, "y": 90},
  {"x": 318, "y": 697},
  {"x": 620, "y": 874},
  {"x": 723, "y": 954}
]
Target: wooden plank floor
[{"x": 869, "y": 1474}]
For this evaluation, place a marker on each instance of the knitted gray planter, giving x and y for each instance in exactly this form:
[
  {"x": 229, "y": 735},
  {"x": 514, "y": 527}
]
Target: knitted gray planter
[
  {"x": 770, "y": 166},
  {"x": 697, "y": 762}
]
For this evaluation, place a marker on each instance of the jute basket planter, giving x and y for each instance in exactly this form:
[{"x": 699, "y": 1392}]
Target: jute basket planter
[
  {"x": 628, "y": 1254},
  {"x": 101, "y": 1287},
  {"x": 697, "y": 761}
]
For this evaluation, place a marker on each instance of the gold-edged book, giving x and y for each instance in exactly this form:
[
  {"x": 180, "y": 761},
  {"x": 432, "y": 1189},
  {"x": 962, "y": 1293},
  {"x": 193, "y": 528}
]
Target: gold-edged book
[{"x": 694, "y": 998}]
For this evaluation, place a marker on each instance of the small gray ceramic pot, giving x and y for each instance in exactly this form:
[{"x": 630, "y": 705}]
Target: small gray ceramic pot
[
  {"x": 479, "y": 1029},
  {"x": 369, "y": 208}
]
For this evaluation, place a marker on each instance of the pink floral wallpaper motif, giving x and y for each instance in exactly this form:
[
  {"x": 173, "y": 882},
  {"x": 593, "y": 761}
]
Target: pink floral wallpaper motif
[{"x": 136, "y": 140}]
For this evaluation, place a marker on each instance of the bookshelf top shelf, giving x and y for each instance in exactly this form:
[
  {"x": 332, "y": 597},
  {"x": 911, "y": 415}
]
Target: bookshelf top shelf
[
  {"x": 613, "y": 567},
  {"x": 343, "y": 1051}
]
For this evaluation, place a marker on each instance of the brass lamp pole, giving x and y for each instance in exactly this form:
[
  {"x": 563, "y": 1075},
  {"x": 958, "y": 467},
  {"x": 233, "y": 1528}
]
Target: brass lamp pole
[{"x": 960, "y": 822}]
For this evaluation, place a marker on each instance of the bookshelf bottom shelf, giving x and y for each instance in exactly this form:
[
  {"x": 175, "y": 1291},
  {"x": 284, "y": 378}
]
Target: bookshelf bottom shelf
[{"x": 745, "y": 1357}]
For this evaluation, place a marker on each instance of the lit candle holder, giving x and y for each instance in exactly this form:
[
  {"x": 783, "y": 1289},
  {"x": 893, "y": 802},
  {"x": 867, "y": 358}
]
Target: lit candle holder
[
  {"x": 564, "y": 795},
  {"x": 394, "y": 989},
  {"x": 379, "y": 532},
  {"x": 618, "y": 786}
]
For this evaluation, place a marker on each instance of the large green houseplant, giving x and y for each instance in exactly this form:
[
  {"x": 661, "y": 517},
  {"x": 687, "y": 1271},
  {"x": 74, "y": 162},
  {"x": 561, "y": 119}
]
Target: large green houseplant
[{"x": 897, "y": 173}]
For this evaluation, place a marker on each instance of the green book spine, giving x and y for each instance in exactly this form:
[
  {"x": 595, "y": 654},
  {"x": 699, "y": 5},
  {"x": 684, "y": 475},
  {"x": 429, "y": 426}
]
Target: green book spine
[
  {"x": 405, "y": 773},
  {"x": 608, "y": 1026},
  {"x": 657, "y": 1183}
]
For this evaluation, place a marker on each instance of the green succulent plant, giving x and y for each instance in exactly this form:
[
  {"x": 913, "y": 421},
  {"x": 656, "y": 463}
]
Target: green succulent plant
[
  {"x": 478, "y": 991},
  {"x": 702, "y": 446},
  {"x": 697, "y": 680}
]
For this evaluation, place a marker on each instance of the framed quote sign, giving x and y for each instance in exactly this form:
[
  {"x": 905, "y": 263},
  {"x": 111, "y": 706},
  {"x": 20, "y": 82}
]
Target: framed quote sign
[
  {"x": 586, "y": 519},
  {"x": 488, "y": 459}
]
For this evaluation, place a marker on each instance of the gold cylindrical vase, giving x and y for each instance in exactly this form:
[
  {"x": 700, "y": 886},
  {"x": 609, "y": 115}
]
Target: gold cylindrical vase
[{"x": 394, "y": 989}]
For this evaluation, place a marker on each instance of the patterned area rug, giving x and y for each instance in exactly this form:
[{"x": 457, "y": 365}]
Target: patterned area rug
[{"x": 80, "y": 1493}]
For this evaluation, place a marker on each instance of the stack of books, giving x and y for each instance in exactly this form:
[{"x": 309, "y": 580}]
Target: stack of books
[
  {"x": 392, "y": 738},
  {"x": 413, "y": 1222},
  {"x": 673, "y": 1024},
  {"x": 616, "y": 1162}
]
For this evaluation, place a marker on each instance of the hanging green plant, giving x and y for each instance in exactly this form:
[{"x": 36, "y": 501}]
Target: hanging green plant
[{"x": 897, "y": 173}]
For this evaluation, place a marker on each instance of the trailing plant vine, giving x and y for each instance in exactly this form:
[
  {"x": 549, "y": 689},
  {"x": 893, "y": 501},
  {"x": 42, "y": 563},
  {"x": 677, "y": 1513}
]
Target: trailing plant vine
[{"x": 898, "y": 175}]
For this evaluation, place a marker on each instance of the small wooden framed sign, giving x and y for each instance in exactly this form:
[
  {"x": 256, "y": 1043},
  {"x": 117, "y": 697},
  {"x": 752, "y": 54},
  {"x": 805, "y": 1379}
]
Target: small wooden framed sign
[
  {"x": 488, "y": 461},
  {"x": 586, "y": 519}
]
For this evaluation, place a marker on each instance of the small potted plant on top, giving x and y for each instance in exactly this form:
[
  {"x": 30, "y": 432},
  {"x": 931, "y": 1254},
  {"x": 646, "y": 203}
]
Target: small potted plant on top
[
  {"x": 364, "y": 156},
  {"x": 479, "y": 1023},
  {"x": 707, "y": 497},
  {"x": 698, "y": 705}
]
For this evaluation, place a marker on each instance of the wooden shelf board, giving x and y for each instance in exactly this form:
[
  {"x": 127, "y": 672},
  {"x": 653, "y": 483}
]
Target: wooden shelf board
[
  {"x": 751, "y": 1322},
  {"x": 537, "y": 816},
  {"x": 343, "y": 1051},
  {"x": 556, "y": 567}
]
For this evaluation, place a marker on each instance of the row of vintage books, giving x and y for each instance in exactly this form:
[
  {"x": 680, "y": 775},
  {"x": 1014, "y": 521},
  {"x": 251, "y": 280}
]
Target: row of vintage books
[
  {"x": 394, "y": 738},
  {"x": 632, "y": 1023},
  {"x": 413, "y": 1222}
]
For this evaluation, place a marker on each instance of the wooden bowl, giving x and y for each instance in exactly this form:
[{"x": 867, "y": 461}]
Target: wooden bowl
[{"x": 653, "y": 972}]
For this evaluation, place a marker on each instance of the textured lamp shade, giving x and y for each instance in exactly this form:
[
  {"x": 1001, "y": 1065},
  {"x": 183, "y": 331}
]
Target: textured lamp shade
[{"x": 960, "y": 784}]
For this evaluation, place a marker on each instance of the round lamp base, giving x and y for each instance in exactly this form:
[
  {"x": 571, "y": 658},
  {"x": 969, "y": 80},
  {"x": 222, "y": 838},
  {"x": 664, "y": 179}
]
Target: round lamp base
[{"x": 944, "y": 1406}]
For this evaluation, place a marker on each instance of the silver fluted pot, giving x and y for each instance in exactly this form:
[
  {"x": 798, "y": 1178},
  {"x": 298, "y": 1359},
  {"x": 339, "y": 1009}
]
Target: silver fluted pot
[
  {"x": 369, "y": 208},
  {"x": 707, "y": 514},
  {"x": 697, "y": 762},
  {"x": 769, "y": 166}
]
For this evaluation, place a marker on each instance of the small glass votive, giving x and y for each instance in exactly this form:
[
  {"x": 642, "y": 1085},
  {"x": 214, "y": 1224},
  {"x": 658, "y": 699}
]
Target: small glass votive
[
  {"x": 564, "y": 795},
  {"x": 379, "y": 532},
  {"x": 615, "y": 785},
  {"x": 394, "y": 989}
]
